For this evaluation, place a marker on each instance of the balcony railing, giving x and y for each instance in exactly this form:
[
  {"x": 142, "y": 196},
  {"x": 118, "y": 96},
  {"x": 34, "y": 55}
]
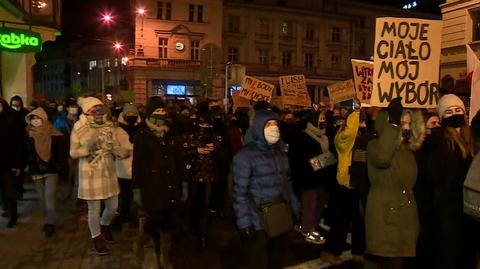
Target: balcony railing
[{"x": 166, "y": 63}]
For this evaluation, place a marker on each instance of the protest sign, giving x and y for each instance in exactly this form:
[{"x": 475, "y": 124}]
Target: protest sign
[
  {"x": 407, "y": 62},
  {"x": 342, "y": 91},
  {"x": 363, "y": 78},
  {"x": 256, "y": 90},
  {"x": 239, "y": 101},
  {"x": 294, "y": 90}
]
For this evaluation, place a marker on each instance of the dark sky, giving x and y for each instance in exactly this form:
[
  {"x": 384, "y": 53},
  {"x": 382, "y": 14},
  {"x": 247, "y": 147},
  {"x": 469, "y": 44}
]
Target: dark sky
[{"x": 82, "y": 18}]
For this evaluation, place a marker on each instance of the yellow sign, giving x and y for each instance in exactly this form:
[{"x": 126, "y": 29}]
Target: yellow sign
[
  {"x": 294, "y": 91},
  {"x": 256, "y": 90},
  {"x": 342, "y": 91},
  {"x": 363, "y": 77}
]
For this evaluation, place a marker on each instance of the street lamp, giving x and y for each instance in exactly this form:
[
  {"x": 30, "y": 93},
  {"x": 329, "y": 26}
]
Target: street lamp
[
  {"x": 117, "y": 46},
  {"x": 141, "y": 11},
  {"x": 107, "y": 18}
]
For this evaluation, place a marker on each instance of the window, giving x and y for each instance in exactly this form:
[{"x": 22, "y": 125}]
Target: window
[
  {"x": 160, "y": 10},
  {"x": 115, "y": 62},
  {"x": 263, "y": 56},
  {"x": 335, "y": 34},
  {"x": 335, "y": 60},
  {"x": 475, "y": 25},
  {"x": 308, "y": 61},
  {"x": 195, "y": 50},
  {"x": 264, "y": 26},
  {"x": 92, "y": 64},
  {"x": 233, "y": 55},
  {"x": 168, "y": 13},
  {"x": 286, "y": 28},
  {"x": 191, "y": 12},
  {"x": 234, "y": 24},
  {"x": 200, "y": 13},
  {"x": 162, "y": 48},
  {"x": 309, "y": 33},
  {"x": 107, "y": 62},
  {"x": 287, "y": 58}
]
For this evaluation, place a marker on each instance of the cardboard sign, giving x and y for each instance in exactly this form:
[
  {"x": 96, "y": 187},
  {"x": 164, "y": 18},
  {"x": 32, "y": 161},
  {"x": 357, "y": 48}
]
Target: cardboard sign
[
  {"x": 294, "y": 91},
  {"x": 342, "y": 91},
  {"x": 256, "y": 90},
  {"x": 239, "y": 101},
  {"x": 407, "y": 62},
  {"x": 363, "y": 78}
]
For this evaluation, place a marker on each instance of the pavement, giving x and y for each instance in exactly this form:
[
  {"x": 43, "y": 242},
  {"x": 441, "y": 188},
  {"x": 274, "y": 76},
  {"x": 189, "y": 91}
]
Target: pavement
[{"x": 25, "y": 246}]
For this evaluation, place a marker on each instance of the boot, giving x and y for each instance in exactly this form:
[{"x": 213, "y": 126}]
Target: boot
[
  {"x": 107, "y": 233},
  {"x": 165, "y": 247},
  {"x": 99, "y": 245},
  {"x": 49, "y": 230}
]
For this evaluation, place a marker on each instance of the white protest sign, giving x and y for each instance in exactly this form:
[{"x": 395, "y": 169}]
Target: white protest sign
[
  {"x": 342, "y": 91},
  {"x": 363, "y": 78},
  {"x": 256, "y": 90},
  {"x": 294, "y": 90},
  {"x": 407, "y": 62}
]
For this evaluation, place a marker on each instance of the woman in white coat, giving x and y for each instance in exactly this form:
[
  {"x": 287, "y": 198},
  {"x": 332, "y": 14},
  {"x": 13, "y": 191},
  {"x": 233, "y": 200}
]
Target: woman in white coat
[{"x": 94, "y": 142}]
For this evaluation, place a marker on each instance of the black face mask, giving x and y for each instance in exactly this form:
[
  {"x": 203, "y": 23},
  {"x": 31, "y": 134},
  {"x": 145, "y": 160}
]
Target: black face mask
[
  {"x": 131, "y": 120},
  {"x": 454, "y": 121},
  {"x": 435, "y": 131},
  {"x": 406, "y": 134},
  {"x": 362, "y": 130}
]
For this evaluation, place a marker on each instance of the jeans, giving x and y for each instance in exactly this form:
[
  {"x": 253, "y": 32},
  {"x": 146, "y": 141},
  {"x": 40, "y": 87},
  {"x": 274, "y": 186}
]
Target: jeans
[
  {"x": 94, "y": 220},
  {"x": 46, "y": 188}
]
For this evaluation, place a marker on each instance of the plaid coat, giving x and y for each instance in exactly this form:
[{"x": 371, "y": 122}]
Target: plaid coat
[{"x": 96, "y": 147}]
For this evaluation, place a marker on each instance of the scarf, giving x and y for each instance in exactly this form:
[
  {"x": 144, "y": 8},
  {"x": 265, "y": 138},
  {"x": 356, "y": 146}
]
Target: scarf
[
  {"x": 159, "y": 131},
  {"x": 42, "y": 136},
  {"x": 318, "y": 135}
]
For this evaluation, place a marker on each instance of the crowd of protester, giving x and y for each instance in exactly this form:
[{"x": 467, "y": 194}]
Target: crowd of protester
[{"x": 393, "y": 178}]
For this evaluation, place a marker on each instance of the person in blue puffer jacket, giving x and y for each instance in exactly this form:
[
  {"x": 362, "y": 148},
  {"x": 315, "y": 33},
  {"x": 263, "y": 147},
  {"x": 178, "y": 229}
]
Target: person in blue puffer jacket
[{"x": 258, "y": 172}]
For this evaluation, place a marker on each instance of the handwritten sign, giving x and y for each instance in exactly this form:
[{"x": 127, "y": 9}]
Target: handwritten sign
[
  {"x": 407, "y": 62},
  {"x": 239, "y": 101},
  {"x": 342, "y": 91},
  {"x": 363, "y": 78},
  {"x": 294, "y": 90},
  {"x": 256, "y": 90}
]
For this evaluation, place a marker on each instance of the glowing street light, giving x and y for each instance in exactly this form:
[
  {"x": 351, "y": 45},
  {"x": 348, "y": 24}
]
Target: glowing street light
[
  {"x": 117, "y": 46},
  {"x": 141, "y": 11},
  {"x": 107, "y": 18}
]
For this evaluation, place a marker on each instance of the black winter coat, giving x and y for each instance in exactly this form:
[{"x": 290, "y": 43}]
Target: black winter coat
[
  {"x": 11, "y": 140},
  {"x": 58, "y": 162},
  {"x": 445, "y": 172},
  {"x": 300, "y": 152},
  {"x": 158, "y": 169}
]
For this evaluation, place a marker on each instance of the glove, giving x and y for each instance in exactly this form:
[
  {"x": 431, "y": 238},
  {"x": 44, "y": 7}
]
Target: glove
[
  {"x": 395, "y": 110},
  {"x": 137, "y": 197},
  {"x": 247, "y": 233},
  {"x": 184, "y": 191}
]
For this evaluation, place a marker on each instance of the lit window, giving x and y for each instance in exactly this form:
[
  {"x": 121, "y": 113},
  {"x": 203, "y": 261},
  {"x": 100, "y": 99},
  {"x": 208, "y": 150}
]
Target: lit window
[
  {"x": 115, "y": 62},
  {"x": 92, "y": 64},
  {"x": 263, "y": 56},
  {"x": 286, "y": 28},
  {"x": 233, "y": 54}
]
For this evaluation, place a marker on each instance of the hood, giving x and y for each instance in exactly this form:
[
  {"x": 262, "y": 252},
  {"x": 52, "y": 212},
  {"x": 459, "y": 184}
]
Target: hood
[
  {"x": 258, "y": 125},
  {"x": 39, "y": 112},
  {"x": 381, "y": 121}
]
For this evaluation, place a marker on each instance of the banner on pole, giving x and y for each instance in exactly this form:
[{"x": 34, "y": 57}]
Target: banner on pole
[
  {"x": 363, "y": 78},
  {"x": 294, "y": 90},
  {"x": 342, "y": 91},
  {"x": 256, "y": 90},
  {"x": 406, "y": 62}
]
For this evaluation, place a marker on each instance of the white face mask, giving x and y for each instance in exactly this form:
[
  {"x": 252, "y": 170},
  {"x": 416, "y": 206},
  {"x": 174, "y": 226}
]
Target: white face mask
[
  {"x": 272, "y": 134},
  {"x": 72, "y": 110},
  {"x": 36, "y": 122},
  {"x": 59, "y": 108}
]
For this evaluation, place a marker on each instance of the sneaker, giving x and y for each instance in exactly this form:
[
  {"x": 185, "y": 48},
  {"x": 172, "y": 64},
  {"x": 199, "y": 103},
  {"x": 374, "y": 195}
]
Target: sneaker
[
  {"x": 315, "y": 238},
  {"x": 299, "y": 229}
]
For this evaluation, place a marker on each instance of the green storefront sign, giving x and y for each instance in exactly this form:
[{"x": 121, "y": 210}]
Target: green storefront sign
[{"x": 19, "y": 40}]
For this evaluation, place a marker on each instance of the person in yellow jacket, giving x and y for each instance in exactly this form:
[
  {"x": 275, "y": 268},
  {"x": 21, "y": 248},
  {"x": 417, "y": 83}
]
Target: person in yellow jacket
[{"x": 344, "y": 202}]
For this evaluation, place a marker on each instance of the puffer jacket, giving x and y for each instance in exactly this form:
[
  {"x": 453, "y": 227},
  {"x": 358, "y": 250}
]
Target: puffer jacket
[{"x": 258, "y": 176}]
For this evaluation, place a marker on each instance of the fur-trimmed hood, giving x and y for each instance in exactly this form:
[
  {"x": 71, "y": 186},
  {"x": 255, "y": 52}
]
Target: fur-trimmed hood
[{"x": 417, "y": 126}]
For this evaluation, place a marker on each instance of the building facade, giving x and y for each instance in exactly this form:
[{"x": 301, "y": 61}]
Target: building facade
[
  {"x": 183, "y": 47},
  {"x": 461, "y": 26},
  {"x": 35, "y": 18}
]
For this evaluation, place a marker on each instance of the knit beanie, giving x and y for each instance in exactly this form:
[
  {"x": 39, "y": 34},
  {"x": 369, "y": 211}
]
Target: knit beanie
[
  {"x": 86, "y": 103},
  {"x": 448, "y": 101},
  {"x": 154, "y": 103},
  {"x": 130, "y": 109}
]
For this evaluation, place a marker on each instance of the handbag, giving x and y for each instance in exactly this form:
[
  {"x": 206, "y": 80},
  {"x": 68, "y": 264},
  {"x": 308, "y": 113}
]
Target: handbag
[
  {"x": 276, "y": 216},
  {"x": 471, "y": 190}
]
